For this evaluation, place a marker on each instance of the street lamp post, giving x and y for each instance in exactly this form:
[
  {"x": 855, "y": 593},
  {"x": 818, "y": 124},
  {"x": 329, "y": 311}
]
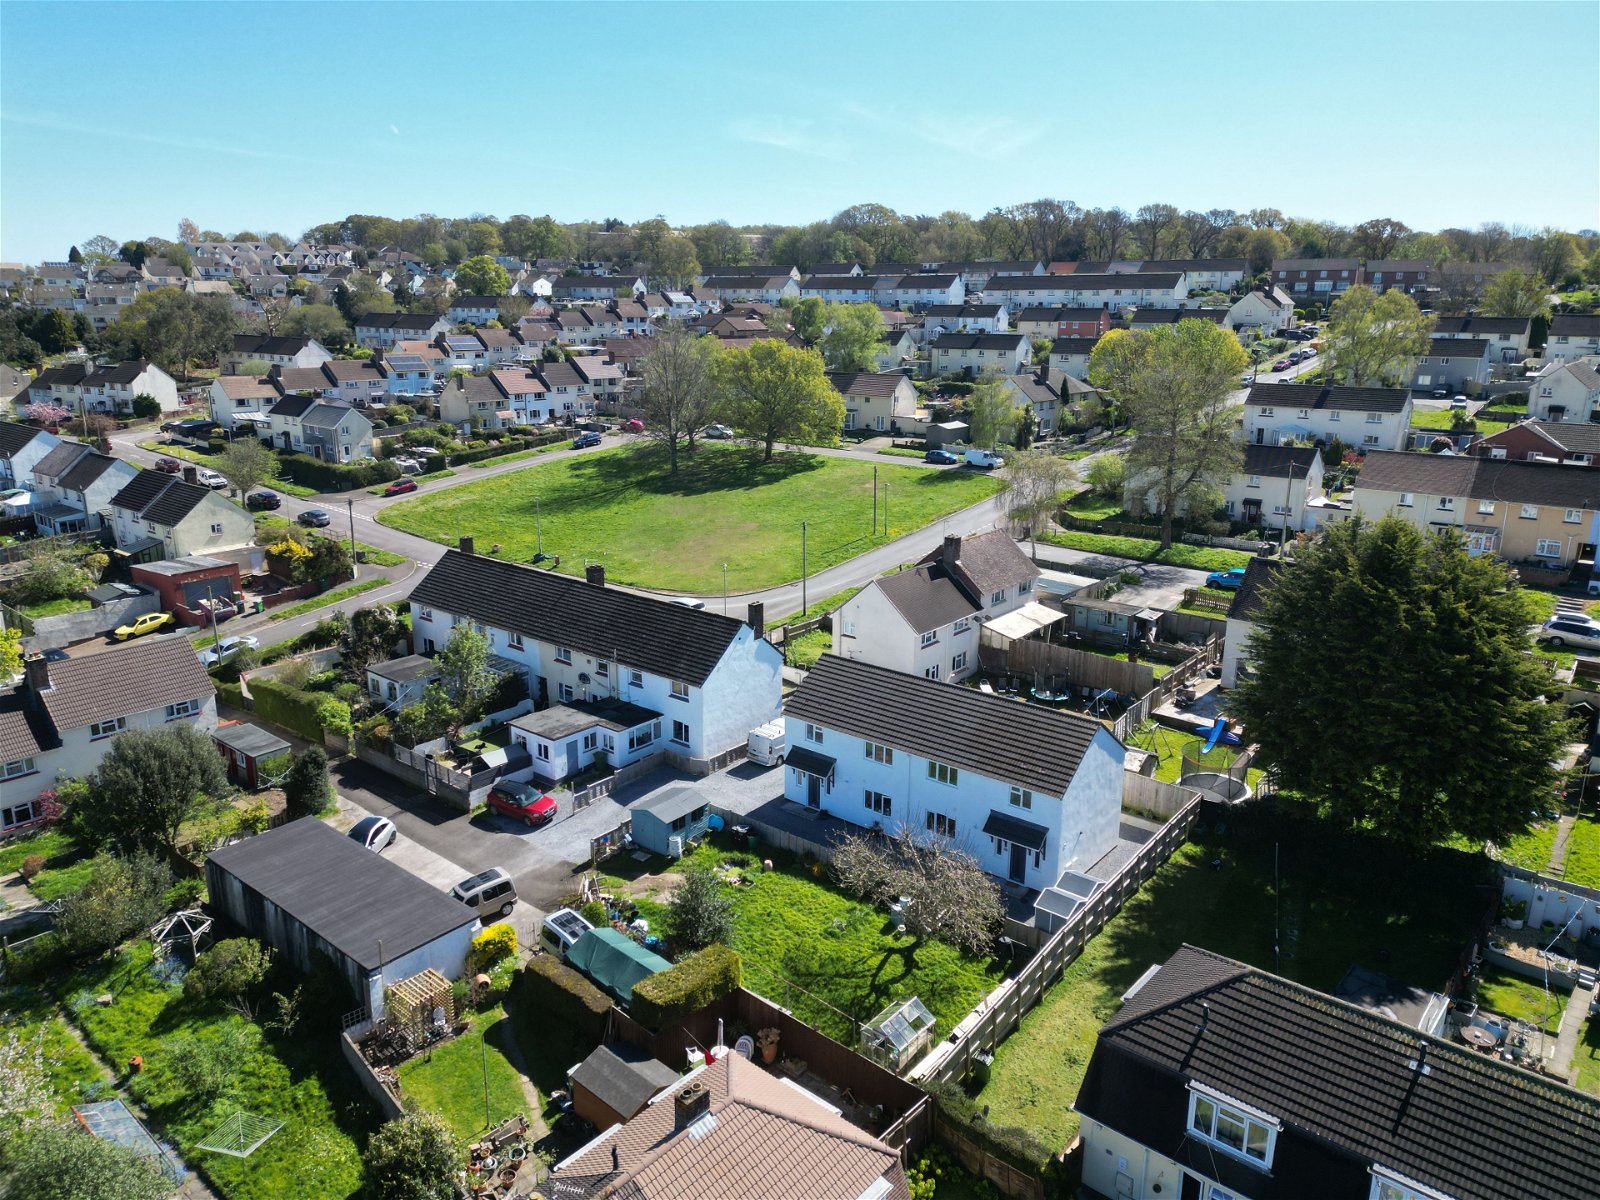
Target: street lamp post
[
  {"x": 724, "y": 589},
  {"x": 803, "y": 604},
  {"x": 350, "y": 505}
]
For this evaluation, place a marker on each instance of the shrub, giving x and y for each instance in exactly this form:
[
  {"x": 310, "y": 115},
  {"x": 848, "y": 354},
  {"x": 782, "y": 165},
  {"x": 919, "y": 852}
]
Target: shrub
[
  {"x": 686, "y": 987},
  {"x": 595, "y": 913},
  {"x": 494, "y": 943},
  {"x": 336, "y": 477},
  {"x": 301, "y": 712},
  {"x": 233, "y": 967},
  {"x": 1016, "y": 1146},
  {"x": 203, "y": 1065},
  {"x": 412, "y": 1157},
  {"x": 550, "y": 987},
  {"x": 186, "y": 893},
  {"x": 123, "y": 896},
  {"x": 32, "y": 865},
  {"x": 702, "y": 912},
  {"x": 146, "y": 407},
  {"x": 306, "y": 787},
  {"x": 1106, "y": 475}
]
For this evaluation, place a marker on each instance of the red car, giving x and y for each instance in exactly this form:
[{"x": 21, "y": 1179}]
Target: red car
[
  {"x": 1283, "y": 364},
  {"x": 400, "y": 487},
  {"x": 170, "y": 465},
  {"x": 522, "y": 803},
  {"x": 633, "y": 425}
]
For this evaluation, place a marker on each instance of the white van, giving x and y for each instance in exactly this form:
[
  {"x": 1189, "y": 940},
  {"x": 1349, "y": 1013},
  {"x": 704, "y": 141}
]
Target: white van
[
  {"x": 767, "y": 744},
  {"x": 560, "y": 930},
  {"x": 987, "y": 459}
]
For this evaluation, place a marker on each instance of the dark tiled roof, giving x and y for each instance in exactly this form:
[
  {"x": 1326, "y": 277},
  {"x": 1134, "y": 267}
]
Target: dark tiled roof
[
  {"x": 370, "y": 909},
  {"x": 1341, "y": 1080},
  {"x": 1281, "y": 462},
  {"x": 978, "y": 341},
  {"x": 927, "y": 597},
  {"x": 865, "y": 383},
  {"x": 250, "y": 343},
  {"x": 1258, "y": 576},
  {"x": 1578, "y": 325},
  {"x": 1575, "y": 437},
  {"x": 176, "y": 503},
  {"x": 1126, "y": 281},
  {"x": 18, "y": 737},
  {"x": 958, "y": 311},
  {"x": 1453, "y": 347},
  {"x": 623, "y": 1077},
  {"x": 986, "y": 562},
  {"x": 59, "y": 459},
  {"x": 1073, "y": 345},
  {"x": 1192, "y": 264},
  {"x": 141, "y": 490},
  {"x": 423, "y": 321},
  {"x": 293, "y": 406},
  {"x": 88, "y": 469},
  {"x": 1310, "y": 395},
  {"x": 653, "y": 635},
  {"x": 147, "y": 674},
  {"x": 1171, "y": 316},
  {"x": 1506, "y": 480},
  {"x": 1026, "y": 744},
  {"x": 1482, "y": 325},
  {"x": 14, "y": 437}
]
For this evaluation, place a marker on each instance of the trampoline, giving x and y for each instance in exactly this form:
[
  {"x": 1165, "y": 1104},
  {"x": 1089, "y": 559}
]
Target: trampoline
[{"x": 112, "y": 1121}]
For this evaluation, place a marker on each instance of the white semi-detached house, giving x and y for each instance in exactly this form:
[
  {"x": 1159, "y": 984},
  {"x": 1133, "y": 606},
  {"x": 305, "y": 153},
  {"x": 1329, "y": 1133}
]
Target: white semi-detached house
[
  {"x": 1573, "y": 336},
  {"x": 1362, "y": 418},
  {"x": 967, "y": 318},
  {"x": 97, "y": 388},
  {"x": 1566, "y": 391},
  {"x": 73, "y": 486},
  {"x": 157, "y": 516},
  {"x": 1113, "y": 291},
  {"x": 1029, "y": 791},
  {"x": 64, "y": 716},
  {"x": 274, "y": 351},
  {"x": 382, "y": 330},
  {"x": 973, "y": 353},
  {"x": 1452, "y": 363},
  {"x": 875, "y": 401},
  {"x": 1508, "y": 337},
  {"x": 705, "y": 680},
  {"x": 841, "y": 289},
  {"x": 21, "y": 447},
  {"x": 926, "y": 290},
  {"x": 924, "y": 620}
]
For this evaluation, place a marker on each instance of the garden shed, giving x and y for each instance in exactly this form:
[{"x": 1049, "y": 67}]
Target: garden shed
[
  {"x": 244, "y": 748},
  {"x": 667, "y": 822},
  {"x": 614, "y": 961},
  {"x": 616, "y": 1081},
  {"x": 306, "y": 888}
]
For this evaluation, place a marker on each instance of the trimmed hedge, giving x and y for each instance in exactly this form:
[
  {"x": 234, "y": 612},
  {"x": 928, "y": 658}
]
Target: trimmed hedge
[
  {"x": 305, "y": 713},
  {"x": 508, "y": 446},
  {"x": 336, "y": 477},
  {"x": 686, "y": 987},
  {"x": 548, "y": 986}
]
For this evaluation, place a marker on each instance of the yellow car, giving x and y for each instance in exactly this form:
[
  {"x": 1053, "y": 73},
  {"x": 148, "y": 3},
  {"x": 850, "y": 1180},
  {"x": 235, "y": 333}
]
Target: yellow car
[{"x": 148, "y": 623}]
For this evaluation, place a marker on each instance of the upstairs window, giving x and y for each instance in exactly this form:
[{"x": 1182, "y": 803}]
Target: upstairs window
[
  {"x": 1242, "y": 1131},
  {"x": 564, "y": 655},
  {"x": 943, "y": 773}
]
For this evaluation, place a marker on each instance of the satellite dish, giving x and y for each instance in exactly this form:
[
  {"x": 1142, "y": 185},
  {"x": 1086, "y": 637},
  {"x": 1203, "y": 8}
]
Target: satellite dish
[{"x": 583, "y": 677}]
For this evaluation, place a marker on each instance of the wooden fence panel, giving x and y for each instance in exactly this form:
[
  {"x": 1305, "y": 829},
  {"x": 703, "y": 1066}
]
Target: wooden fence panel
[{"x": 1032, "y": 658}]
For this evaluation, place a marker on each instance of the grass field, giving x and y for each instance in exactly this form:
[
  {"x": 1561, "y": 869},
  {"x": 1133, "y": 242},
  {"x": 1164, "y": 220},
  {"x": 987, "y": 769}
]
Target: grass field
[
  {"x": 327, "y": 598},
  {"x": 1531, "y": 850},
  {"x": 450, "y": 1079},
  {"x": 1586, "y": 1063},
  {"x": 71, "y": 1072},
  {"x": 725, "y": 506},
  {"x": 47, "y": 845},
  {"x": 1344, "y": 900},
  {"x": 66, "y": 868},
  {"x": 201, "y": 459},
  {"x": 804, "y": 650},
  {"x": 1090, "y": 507},
  {"x": 1512, "y": 996},
  {"x": 1583, "y": 854},
  {"x": 1201, "y": 558},
  {"x": 1441, "y": 419},
  {"x": 57, "y": 607},
  {"x": 301, "y": 1081}
]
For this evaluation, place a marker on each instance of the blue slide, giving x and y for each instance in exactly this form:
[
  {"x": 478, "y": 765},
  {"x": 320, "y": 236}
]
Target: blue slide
[{"x": 1217, "y": 731}]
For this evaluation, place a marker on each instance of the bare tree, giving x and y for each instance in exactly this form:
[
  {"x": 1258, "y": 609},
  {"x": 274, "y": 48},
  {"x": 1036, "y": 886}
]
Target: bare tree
[
  {"x": 951, "y": 897},
  {"x": 1152, "y": 221},
  {"x": 1032, "y": 487},
  {"x": 680, "y": 393}
]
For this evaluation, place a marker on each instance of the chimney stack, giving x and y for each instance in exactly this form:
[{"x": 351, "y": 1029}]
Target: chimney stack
[
  {"x": 37, "y": 669},
  {"x": 466, "y": 543},
  {"x": 756, "y": 616},
  {"x": 191, "y": 475},
  {"x": 595, "y": 573},
  {"x": 689, "y": 1105},
  {"x": 951, "y": 553}
]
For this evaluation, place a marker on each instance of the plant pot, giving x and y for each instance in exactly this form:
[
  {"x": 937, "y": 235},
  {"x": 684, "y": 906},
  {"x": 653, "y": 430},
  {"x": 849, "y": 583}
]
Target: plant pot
[{"x": 769, "y": 1052}]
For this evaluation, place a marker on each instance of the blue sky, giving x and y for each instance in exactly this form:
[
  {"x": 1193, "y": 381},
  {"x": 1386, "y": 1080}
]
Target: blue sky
[{"x": 122, "y": 118}]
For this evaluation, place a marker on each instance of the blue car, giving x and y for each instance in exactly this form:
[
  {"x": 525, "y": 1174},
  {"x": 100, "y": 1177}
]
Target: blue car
[
  {"x": 943, "y": 457},
  {"x": 1229, "y": 581},
  {"x": 584, "y": 440}
]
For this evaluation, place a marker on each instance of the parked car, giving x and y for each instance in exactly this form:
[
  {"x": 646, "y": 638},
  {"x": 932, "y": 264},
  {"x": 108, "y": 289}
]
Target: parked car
[
  {"x": 584, "y": 440},
  {"x": 1458, "y": 404},
  {"x": 139, "y": 626},
  {"x": 316, "y": 517},
  {"x": 1283, "y": 364},
  {"x": 487, "y": 892},
  {"x": 688, "y": 601},
  {"x": 561, "y": 931},
  {"x": 1229, "y": 580},
  {"x": 227, "y": 648},
  {"x": 1295, "y": 356},
  {"x": 400, "y": 487},
  {"x": 262, "y": 500},
  {"x": 633, "y": 425},
  {"x": 1309, "y": 352},
  {"x": 1246, "y": 379},
  {"x": 522, "y": 803},
  {"x": 942, "y": 457},
  {"x": 206, "y": 477},
  {"x": 375, "y": 833},
  {"x": 170, "y": 465},
  {"x": 987, "y": 459},
  {"x": 1577, "y": 631},
  {"x": 718, "y": 432}
]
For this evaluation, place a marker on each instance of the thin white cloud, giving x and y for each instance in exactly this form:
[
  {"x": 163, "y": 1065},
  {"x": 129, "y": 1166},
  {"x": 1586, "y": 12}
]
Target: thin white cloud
[
  {"x": 995, "y": 139},
  {"x": 61, "y": 125},
  {"x": 787, "y": 133},
  {"x": 394, "y": 131}
]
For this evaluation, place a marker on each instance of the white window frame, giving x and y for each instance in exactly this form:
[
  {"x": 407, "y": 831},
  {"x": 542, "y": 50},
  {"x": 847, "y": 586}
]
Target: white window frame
[
  {"x": 1448, "y": 503},
  {"x": 564, "y": 655},
  {"x": 998, "y": 597},
  {"x": 1407, "y": 499},
  {"x": 813, "y": 733},
  {"x": 684, "y": 727},
  {"x": 961, "y": 626},
  {"x": 877, "y": 753},
  {"x": 1391, "y": 1185},
  {"x": 105, "y": 729},
  {"x": 958, "y": 662},
  {"x": 635, "y": 678},
  {"x": 1245, "y": 1115},
  {"x": 183, "y": 708},
  {"x": 1547, "y": 548},
  {"x": 16, "y": 769},
  {"x": 1572, "y": 516},
  {"x": 680, "y": 691},
  {"x": 1486, "y": 508},
  {"x": 877, "y": 802},
  {"x": 1021, "y": 797},
  {"x": 944, "y": 773},
  {"x": 930, "y": 639}
]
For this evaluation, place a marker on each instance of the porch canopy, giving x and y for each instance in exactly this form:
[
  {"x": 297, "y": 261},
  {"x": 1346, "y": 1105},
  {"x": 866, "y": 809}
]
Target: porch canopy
[
  {"x": 1025, "y": 621},
  {"x": 810, "y": 762},
  {"x": 1015, "y": 830}
]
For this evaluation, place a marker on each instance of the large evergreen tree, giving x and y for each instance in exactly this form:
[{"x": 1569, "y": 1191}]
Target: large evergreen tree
[{"x": 1390, "y": 686}]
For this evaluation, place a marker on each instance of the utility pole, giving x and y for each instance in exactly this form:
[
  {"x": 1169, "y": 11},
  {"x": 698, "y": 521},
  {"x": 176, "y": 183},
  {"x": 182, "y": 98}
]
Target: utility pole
[
  {"x": 1288, "y": 507},
  {"x": 874, "y": 498},
  {"x": 724, "y": 589},
  {"x": 538, "y": 527},
  {"x": 351, "y": 506},
  {"x": 803, "y": 604}
]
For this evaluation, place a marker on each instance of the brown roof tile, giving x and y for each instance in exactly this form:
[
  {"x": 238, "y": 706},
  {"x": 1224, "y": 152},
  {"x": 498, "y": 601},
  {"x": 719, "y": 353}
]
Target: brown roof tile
[{"x": 132, "y": 679}]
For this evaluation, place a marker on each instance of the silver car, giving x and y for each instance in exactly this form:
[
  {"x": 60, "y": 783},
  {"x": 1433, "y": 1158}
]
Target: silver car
[{"x": 1576, "y": 631}]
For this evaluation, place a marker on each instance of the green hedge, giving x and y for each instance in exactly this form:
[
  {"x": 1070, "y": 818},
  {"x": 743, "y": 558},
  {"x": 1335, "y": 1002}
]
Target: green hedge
[
  {"x": 548, "y": 986},
  {"x": 686, "y": 987},
  {"x": 1009, "y": 1142},
  {"x": 508, "y": 446},
  {"x": 336, "y": 477},
  {"x": 305, "y": 713}
]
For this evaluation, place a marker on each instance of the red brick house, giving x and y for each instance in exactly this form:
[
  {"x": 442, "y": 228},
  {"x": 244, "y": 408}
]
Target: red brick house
[
  {"x": 185, "y": 584},
  {"x": 1574, "y": 442}
]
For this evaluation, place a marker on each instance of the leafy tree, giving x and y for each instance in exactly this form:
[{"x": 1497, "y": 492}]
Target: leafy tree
[
  {"x": 464, "y": 673},
  {"x": 362, "y": 295},
  {"x": 173, "y": 329},
  {"x": 809, "y": 316},
  {"x": 718, "y": 244},
  {"x": 100, "y": 249},
  {"x": 328, "y": 561},
  {"x": 776, "y": 392},
  {"x": 1032, "y": 487},
  {"x": 702, "y": 912},
  {"x": 146, "y": 407},
  {"x": 123, "y": 897},
  {"x": 151, "y": 782},
  {"x": 246, "y": 464},
  {"x": 55, "y": 332},
  {"x": 10, "y": 653},
  {"x": 134, "y": 253},
  {"x": 679, "y": 395},
  {"x": 321, "y": 321},
  {"x": 674, "y": 264},
  {"x": 256, "y": 367},
  {"x": 1174, "y": 384},
  {"x": 1379, "y": 238},
  {"x": 1516, "y": 294},
  {"x": 1373, "y": 340},
  {"x": 64, "y": 1163},
  {"x": 49, "y": 574},
  {"x": 232, "y": 968},
  {"x": 992, "y": 412},
  {"x": 203, "y": 1067},
  {"x": 851, "y": 342},
  {"x": 1106, "y": 475},
  {"x": 432, "y": 716},
  {"x": 1041, "y": 351},
  {"x": 1431, "y": 646},
  {"x": 482, "y": 276},
  {"x": 952, "y": 897},
  {"x": 307, "y": 790},
  {"x": 412, "y": 1157},
  {"x": 370, "y": 637}
]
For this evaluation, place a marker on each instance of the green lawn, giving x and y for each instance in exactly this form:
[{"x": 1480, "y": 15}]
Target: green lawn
[
  {"x": 56, "y": 607},
  {"x": 1169, "y": 744},
  {"x": 1583, "y": 854},
  {"x": 804, "y": 650},
  {"x": 902, "y": 452},
  {"x": 1088, "y": 506},
  {"x": 66, "y": 868},
  {"x": 49, "y": 844},
  {"x": 1513, "y": 996},
  {"x": 327, "y": 598},
  {"x": 519, "y": 455},
  {"x": 1586, "y": 1063},
  {"x": 820, "y": 608},
  {"x": 1441, "y": 419},
  {"x": 1530, "y": 850},
  {"x": 301, "y": 1081},
  {"x": 71, "y": 1071},
  {"x": 1196, "y": 611},
  {"x": 725, "y": 506},
  {"x": 63, "y": 877},
  {"x": 1180, "y": 554},
  {"x": 833, "y": 960},
  {"x": 449, "y": 1080},
  {"x": 1542, "y": 604},
  {"x": 1344, "y": 900}
]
